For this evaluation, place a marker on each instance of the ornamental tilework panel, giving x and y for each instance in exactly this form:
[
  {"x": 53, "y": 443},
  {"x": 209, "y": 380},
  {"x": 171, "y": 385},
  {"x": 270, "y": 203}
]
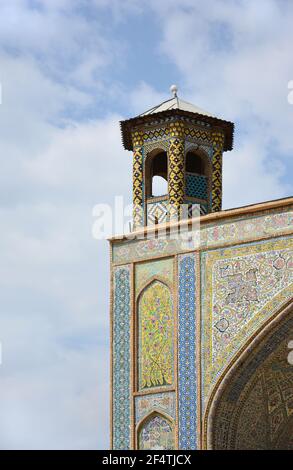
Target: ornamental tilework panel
[
  {"x": 194, "y": 134},
  {"x": 155, "y": 337},
  {"x": 162, "y": 268},
  {"x": 248, "y": 228},
  {"x": 164, "y": 402},
  {"x": 121, "y": 358},
  {"x": 187, "y": 376},
  {"x": 157, "y": 212},
  {"x": 243, "y": 229},
  {"x": 176, "y": 180},
  {"x": 218, "y": 143},
  {"x": 241, "y": 288},
  {"x": 156, "y": 434}
]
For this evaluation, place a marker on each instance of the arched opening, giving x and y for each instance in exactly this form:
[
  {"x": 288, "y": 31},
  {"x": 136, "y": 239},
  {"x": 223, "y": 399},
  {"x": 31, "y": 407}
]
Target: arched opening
[
  {"x": 156, "y": 433},
  {"x": 156, "y": 174},
  {"x": 197, "y": 174},
  {"x": 155, "y": 355},
  {"x": 253, "y": 406},
  {"x": 195, "y": 163}
]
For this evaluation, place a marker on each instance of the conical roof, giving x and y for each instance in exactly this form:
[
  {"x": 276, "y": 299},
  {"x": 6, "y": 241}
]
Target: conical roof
[
  {"x": 176, "y": 103},
  {"x": 169, "y": 109}
]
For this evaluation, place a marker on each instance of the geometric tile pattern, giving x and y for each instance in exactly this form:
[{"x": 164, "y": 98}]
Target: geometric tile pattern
[
  {"x": 138, "y": 218},
  {"x": 198, "y": 134},
  {"x": 157, "y": 212},
  {"x": 187, "y": 374},
  {"x": 196, "y": 186},
  {"x": 194, "y": 210},
  {"x": 168, "y": 131},
  {"x": 218, "y": 143},
  {"x": 121, "y": 358},
  {"x": 176, "y": 175}
]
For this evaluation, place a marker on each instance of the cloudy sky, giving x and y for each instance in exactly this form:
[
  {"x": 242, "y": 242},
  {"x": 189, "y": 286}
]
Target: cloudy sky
[{"x": 69, "y": 71}]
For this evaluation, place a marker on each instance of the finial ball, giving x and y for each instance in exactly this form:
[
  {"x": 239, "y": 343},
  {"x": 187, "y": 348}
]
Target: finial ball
[{"x": 174, "y": 89}]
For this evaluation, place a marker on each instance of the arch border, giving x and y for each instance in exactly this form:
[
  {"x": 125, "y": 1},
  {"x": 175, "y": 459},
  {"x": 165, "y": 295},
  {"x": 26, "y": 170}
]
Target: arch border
[
  {"x": 150, "y": 155},
  {"x": 155, "y": 412},
  {"x": 263, "y": 331},
  {"x": 150, "y": 281}
]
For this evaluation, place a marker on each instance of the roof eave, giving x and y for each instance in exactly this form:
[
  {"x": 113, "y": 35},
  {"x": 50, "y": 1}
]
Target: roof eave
[{"x": 128, "y": 124}]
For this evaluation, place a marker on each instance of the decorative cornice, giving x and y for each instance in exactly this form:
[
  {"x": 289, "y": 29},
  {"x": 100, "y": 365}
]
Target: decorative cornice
[{"x": 214, "y": 216}]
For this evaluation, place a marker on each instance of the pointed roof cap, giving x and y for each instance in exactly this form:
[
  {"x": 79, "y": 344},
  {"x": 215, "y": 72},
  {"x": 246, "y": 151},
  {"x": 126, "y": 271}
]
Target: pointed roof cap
[
  {"x": 170, "y": 108},
  {"x": 176, "y": 103}
]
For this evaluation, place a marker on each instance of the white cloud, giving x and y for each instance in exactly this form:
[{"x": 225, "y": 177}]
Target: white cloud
[{"x": 54, "y": 322}]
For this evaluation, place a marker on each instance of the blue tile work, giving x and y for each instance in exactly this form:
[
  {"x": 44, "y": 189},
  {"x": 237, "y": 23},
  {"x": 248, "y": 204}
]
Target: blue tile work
[
  {"x": 165, "y": 402},
  {"x": 187, "y": 377},
  {"x": 196, "y": 186},
  {"x": 121, "y": 358}
]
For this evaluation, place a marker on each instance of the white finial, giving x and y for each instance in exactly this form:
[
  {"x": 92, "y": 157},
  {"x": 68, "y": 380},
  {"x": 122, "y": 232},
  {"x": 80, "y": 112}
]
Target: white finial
[{"x": 174, "y": 90}]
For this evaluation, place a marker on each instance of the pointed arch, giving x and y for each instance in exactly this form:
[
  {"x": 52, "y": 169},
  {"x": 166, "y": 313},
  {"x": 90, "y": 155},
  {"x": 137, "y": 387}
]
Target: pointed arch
[
  {"x": 155, "y": 431},
  {"x": 197, "y": 160},
  {"x": 155, "y": 335},
  {"x": 198, "y": 174},
  {"x": 155, "y": 165},
  {"x": 239, "y": 378}
]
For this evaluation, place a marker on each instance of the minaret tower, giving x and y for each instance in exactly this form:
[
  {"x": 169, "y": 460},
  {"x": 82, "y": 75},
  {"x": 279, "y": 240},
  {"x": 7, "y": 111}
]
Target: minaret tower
[
  {"x": 177, "y": 163},
  {"x": 177, "y": 160}
]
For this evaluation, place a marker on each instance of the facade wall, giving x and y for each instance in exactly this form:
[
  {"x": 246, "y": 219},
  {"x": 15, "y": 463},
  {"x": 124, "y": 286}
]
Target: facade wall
[{"x": 182, "y": 311}]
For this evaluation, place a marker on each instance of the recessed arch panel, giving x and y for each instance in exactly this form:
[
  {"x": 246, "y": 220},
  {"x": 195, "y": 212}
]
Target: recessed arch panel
[
  {"x": 253, "y": 405},
  {"x": 156, "y": 432},
  {"x": 155, "y": 336}
]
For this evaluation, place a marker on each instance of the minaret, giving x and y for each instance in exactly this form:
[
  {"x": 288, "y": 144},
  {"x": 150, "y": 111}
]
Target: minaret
[
  {"x": 182, "y": 146},
  {"x": 155, "y": 372}
]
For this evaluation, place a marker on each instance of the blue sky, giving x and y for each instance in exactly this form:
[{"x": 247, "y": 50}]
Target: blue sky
[{"x": 70, "y": 70}]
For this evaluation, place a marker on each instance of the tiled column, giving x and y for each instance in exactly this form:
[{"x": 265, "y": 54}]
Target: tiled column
[
  {"x": 218, "y": 143},
  {"x": 176, "y": 180},
  {"x": 138, "y": 187}
]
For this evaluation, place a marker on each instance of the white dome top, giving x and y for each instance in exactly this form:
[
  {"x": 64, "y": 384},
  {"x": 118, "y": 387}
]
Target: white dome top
[{"x": 176, "y": 103}]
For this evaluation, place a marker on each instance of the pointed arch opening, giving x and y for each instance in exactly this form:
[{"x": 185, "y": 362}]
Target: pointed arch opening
[
  {"x": 198, "y": 175},
  {"x": 195, "y": 163},
  {"x": 155, "y": 337},
  {"x": 156, "y": 170},
  {"x": 156, "y": 432}
]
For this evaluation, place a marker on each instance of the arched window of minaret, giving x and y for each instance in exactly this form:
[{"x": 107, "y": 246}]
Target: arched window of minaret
[
  {"x": 195, "y": 163},
  {"x": 156, "y": 433},
  {"x": 155, "y": 361},
  {"x": 157, "y": 174},
  {"x": 197, "y": 174}
]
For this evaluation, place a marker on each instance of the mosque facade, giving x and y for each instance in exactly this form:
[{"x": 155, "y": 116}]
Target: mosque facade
[{"x": 201, "y": 298}]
